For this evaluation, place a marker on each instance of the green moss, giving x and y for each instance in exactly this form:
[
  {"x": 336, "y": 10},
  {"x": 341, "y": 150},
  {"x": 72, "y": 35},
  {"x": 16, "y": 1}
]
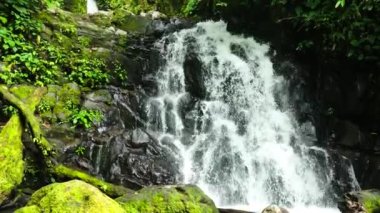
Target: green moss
[
  {"x": 11, "y": 163},
  {"x": 101, "y": 19},
  {"x": 22, "y": 91},
  {"x": 11, "y": 147},
  {"x": 71, "y": 197},
  {"x": 29, "y": 209},
  {"x": 170, "y": 199},
  {"x": 370, "y": 200},
  {"x": 111, "y": 190}
]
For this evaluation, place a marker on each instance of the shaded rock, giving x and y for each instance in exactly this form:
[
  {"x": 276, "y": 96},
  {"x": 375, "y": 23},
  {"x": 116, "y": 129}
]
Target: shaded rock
[
  {"x": 274, "y": 209},
  {"x": 98, "y": 100},
  {"x": 72, "y": 196},
  {"x": 193, "y": 71},
  {"x": 239, "y": 51},
  {"x": 170, "y": 199},
  {"x": 130, "y": 22}
]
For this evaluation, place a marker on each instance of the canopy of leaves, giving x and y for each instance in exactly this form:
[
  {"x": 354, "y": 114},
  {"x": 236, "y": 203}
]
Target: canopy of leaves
[{"x": 350, "y": 28}]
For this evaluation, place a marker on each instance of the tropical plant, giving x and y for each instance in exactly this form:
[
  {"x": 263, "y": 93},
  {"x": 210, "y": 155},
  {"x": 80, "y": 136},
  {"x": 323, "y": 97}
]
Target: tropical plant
[{"x": 85, "y": 117}]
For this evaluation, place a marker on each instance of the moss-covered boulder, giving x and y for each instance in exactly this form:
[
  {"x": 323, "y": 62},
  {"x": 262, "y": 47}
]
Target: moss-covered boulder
[
  {"x": 22, "y": 92},
  {"x": 72, "y": 196},
  {"x": 169, "y": 199},
  {"x": 11, "y": 162}
]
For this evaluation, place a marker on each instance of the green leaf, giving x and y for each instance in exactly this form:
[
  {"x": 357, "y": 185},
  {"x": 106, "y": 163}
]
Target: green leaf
[
  {"x": 3, "y": 20},
  {"x": 340, "y": 3}
]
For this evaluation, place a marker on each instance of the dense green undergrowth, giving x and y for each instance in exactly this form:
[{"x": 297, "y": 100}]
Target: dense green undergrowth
[
  {"x": 26, "y": 57},
  {"x": 41, "y": 47}
]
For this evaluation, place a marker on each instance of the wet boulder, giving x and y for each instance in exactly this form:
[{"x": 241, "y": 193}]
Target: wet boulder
[
  {"x": 274, "y": 209},
  {"x": 72, "y": 196}
]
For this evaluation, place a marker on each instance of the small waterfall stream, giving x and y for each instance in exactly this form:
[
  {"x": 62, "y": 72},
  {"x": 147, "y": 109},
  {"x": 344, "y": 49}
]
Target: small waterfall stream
[
  {"x": 233, "y": 139},
  {"x": 92, "y": 7}
]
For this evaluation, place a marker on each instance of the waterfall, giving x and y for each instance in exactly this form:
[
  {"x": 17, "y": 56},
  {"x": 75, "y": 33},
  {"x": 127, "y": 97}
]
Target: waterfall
[
  {"x": 92, "y": 7},
  {"x": 216, "y": 111}
]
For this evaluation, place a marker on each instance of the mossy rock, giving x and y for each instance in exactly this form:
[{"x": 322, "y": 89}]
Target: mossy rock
[
  {"x": 11, "y": 162},
  {"x": 71, "y": 197},
  {"x": 126, "y": 21},
  {"x": 370, "y": 200},
  {"x": 169, "y": 199},
  {"x": 76, "y": 6},
  {"x": 22, "y": 91},
  {"x": 68, "y": 98},
  {"x": 48, "y": 102}
]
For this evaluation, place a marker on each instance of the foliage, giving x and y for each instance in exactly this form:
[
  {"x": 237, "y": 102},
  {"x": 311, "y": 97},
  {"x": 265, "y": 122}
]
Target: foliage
[
  {"x": 9, "y": 110},
  {"x": 85, "y": 117},
  {"x": 190, "y": 7},
  {"x": 25, "y": 58},
  {"x": 89, "y": 72},
  {"x": 350, "y": 28},
  {"x": 80, "y": 150},
  {"x": 44, "y": 106}
]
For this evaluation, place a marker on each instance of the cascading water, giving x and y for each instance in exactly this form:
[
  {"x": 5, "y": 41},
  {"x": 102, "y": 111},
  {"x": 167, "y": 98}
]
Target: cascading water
[
  {"x": 220, "y": 118},
  {"x": 92, "y": 7}
]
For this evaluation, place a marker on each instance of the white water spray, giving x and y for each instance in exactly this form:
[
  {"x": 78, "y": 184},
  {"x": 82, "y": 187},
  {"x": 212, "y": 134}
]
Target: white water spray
[
  {"x": 92, "y": 8},
  {"x": 236, "y": 143}
]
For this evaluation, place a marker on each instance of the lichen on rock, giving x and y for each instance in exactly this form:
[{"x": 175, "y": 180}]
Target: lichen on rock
[
  {"x": 71, "y": 197},
  {"x": 170, "y": 199}
]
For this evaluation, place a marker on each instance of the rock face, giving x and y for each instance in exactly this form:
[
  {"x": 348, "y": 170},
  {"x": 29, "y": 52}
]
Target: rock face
[
  {"x": 169, "y": 199},
  {"x": 119, "y": 148},
  {"x": 72, "y": 196},
  {"x": 367, "y": 201},
  {"x": 193, "y": 71},
  {"x": 349, "y": 119}
]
